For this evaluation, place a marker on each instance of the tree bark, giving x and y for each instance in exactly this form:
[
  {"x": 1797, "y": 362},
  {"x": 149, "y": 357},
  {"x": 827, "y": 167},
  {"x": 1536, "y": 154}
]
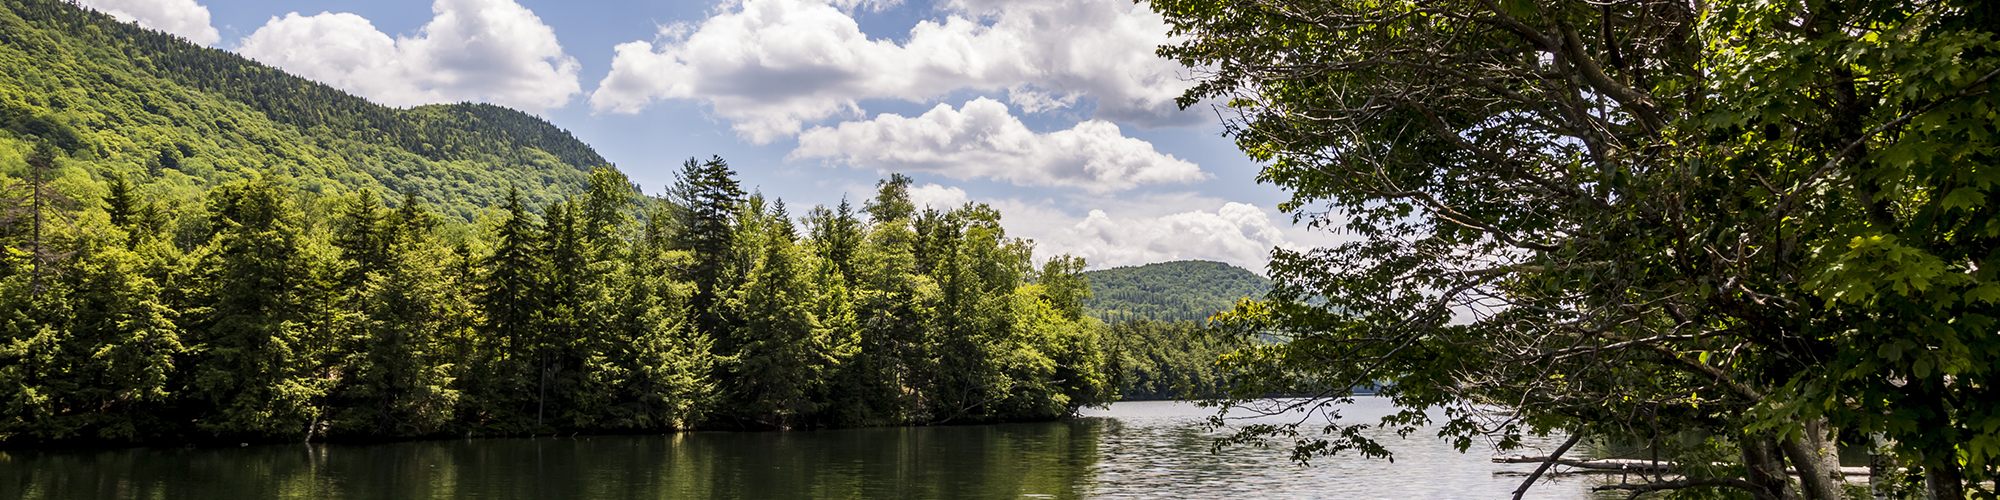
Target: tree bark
[
  {"x": 1766, "y": 467},
  {"x": 1942, "y": 479},
  {"x": 1883, "y": 473},
  {"x": 1817, "y": 459}
]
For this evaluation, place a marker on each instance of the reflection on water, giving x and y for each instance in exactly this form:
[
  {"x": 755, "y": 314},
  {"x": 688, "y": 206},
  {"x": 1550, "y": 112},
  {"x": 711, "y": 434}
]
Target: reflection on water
[
  {"x": 1147, "y": 448},
  {"x": 1133, "y": 450}
]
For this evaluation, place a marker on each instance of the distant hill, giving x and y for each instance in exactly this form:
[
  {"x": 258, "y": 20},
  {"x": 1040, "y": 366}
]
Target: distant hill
[
  {"x": 1170, "y": 291},
  {"x": 180, "y": 116}
]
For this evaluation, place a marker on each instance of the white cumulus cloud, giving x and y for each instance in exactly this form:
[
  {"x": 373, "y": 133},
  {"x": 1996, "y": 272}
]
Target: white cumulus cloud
[
  {"x": 1236, "y": 233},
  {"x": 184, "y": 18},
  {"x": 1157, "y": 228},
  {"x": 772, "y": 66},
  {"x": 472, "y": 50},
  {"x": 983, "y": 140},
  {"x": 943, "y": 198}
]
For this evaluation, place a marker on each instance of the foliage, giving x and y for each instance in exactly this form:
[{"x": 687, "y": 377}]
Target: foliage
[
  {"x": 197, "y": 248},
  {"x": 145, "y": 104},
  {"x": 1747, "y": 229},
  {"x": 1177, "y": 360},
  {"x": 1170, "y": 291},
  {"x": 261, "y": 312}
]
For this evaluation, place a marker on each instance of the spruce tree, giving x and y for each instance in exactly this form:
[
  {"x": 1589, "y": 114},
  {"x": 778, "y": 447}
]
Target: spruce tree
[
  {"x": 708, "y": 196},
  {"x": 363, "y": 241},
  {"x": 400, "y": 381},
  {"x": 510, "y": 296},
  {"x": 121, "y": 203},
  {"x": 126, "y": 343},
  {"x": 783, "y": 353},
  {"x": 836, "y": 237},
  {"x": 257, "y": 372}
]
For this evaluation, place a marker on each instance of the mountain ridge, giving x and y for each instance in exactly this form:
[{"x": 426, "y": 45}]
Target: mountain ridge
[
  {"x": 1187, "y": 290},
  {"x": 153, "y": 102}
]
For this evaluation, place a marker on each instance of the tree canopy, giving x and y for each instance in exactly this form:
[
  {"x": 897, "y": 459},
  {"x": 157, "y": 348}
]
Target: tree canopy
[{"x": 1744, "y": 233}]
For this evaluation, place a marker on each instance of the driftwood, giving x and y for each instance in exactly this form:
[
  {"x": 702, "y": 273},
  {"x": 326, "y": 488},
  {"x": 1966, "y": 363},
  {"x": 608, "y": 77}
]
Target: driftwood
[{"x": 1628, "y": 465}]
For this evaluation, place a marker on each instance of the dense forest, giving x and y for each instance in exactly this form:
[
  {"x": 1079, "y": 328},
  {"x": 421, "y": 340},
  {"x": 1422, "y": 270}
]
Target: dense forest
[
  {"x": 259, "y": 311},
  {"x": 1168, "y": 360},
  {"x": 1170, "y": 291},
  {"x": 201, "y": 248},
  {"x": 184, "y": 119},
  {"x": 1157, "y": 316}
]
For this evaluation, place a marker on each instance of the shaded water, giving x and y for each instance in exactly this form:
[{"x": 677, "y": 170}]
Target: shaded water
[{"x": 1133, "y": 450}]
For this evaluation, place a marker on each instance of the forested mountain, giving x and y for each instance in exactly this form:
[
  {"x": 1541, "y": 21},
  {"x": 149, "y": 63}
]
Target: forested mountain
[
  {"x": 184, "y": 260},
  {"x": 187, "y": 118},
  {"x": 1157, "y": 315},
  {"x": 1170, "y": 291}
]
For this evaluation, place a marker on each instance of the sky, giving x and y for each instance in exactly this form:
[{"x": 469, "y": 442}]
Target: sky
[{"x": 1055, "y": 112}]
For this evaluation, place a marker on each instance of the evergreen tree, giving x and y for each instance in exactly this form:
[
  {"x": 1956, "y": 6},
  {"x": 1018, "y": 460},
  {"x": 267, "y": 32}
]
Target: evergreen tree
[
  {"x": 708, "y": 196},
  {"x": 783, "y": 352},
  {"x": 892, "y": 201},
  {"x": 603, "y": 207},
  {"x": 41, "y": 202},
  {"x": 836, "y": 237},
  {"x": 257, "y": 368},
  {"x": 893, "y": 304},
  {"x": 400, "y": 382},
  {"x": 510, "y": 297},
  {"x": 362, "y": 241},
  {"x": 667, "y": 365},
  {"x": 122, "y": 204}
]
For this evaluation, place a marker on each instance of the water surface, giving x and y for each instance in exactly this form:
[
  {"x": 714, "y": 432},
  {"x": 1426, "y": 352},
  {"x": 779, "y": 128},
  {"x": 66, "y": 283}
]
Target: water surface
[{"x": 1132, "y": 450}]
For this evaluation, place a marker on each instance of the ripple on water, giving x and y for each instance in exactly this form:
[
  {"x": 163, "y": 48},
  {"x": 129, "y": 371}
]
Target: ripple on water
[{"x": 1151, "y": 448}]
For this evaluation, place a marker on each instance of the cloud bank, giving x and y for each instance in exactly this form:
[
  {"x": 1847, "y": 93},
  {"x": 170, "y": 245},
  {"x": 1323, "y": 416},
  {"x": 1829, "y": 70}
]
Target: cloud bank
[
  {"x": 983, "y": 140},
  {"x": 1158, "y": 229},
  {"x": 183, "y": 18},
  {"x": 472, "y": 50},
  {"x": 772, "y": 66}
]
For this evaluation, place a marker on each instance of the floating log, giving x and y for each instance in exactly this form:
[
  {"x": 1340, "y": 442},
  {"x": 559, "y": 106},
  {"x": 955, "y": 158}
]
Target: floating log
[
  {"x": 1630, "y": 465},
  {"x": 1611, "y": 464}
]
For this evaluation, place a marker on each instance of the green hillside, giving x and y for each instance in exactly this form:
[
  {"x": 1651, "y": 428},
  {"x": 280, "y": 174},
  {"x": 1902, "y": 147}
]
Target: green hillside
[
  {"x": 195, "y": 248},
  {"x": 1170, "y": 291},
  {"x": 184, "y": 118}
]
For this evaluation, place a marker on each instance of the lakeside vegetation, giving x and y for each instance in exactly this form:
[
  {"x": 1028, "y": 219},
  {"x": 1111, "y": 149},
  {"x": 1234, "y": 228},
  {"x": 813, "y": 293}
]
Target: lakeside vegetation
[
  {"x": 201, "y": 248},
  {"x": 260, "y": 312},
  {"x": 1755, "y": 233}
]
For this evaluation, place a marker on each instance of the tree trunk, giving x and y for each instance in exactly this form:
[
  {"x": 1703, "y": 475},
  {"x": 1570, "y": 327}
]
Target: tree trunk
[
  {"x": 1883, "y": 473},
  {"x": 1766, "y": 467},
  {"x": 1942, "y": 479},
  {"x": 1817, "y": 459}
]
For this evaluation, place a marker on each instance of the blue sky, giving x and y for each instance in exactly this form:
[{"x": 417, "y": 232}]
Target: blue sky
[{"x": 1054, "y": 111}]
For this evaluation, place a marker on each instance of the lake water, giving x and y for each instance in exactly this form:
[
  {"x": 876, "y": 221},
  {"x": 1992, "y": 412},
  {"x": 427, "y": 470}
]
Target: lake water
[{"x": 1132, "y": 450}]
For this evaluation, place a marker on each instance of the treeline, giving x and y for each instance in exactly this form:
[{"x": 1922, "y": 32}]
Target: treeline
[
  {"x": 1168, "y": 360},
  {"x": 259, "y": 311},
  {"x": 195, "y": 118}
]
